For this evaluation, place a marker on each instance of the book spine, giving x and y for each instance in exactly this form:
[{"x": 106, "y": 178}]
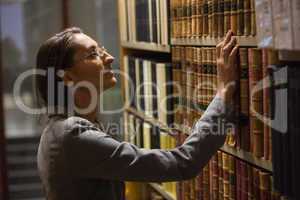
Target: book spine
[
  {"x": 210, "y": 13},
  {"x": 200, "y": 185},
  {"x": 188, "y": 18},
  {"x": 244, "y": 181},
  {"x": 184, "y": 18},
  {"x": 194, "y": 18},
  {"x": 200, "y": 18},
  {"x": 214, "y": 72},
  {"x": 199, "y": 75},
  {"x": 209, "y": 75},
  {"x": 215, "y": 16},
  {"x": 227, "y": 8},
  {"x": 195, "y": 75},
  {"x": 232, "y": 178},
  {"x": 197, "y": 189},
  {"x": 256, "y": 101},
  {"x": 221, "y": 175},
  {"x": 220, "y": 18},
  {"x": 250, "y": 189},
  {"x": 193, "y": 187},
  {"x": 273, "y": 59},
  {"x": 240, "y": 17},
  {"x": 256, "y": 189},
  {"x": 173, "y": 8},
  {"x": 244, "y": 98},
  {"x": 234, "y": 16},
  {"x": 203, "y": 77},
  {"x": 225, "y": 159},
  {"x": 247, "y": 17},
  {"x": 215, "y": 177},
  {"x": 253, "y": 17},
  {"x": 266, "y": 103},
  {"x": 206, "y": 183},
  {"x": 264, "y": 185},
  {"x": 238, "y": 179},
  {"x": 205, "y": 23}
]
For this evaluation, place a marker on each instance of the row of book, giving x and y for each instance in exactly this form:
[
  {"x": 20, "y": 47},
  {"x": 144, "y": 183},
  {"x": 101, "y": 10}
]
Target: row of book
[
  {"x": 195, "y": 69},
  {"x": 224, "y": 177},
  {"x": 148, "y": 87},
  {"x": 278, "y": 24},
  {"x": 144, "y": 21},
  {"x": 212, "y": 18},
  {"x": 146, "y": 135}
]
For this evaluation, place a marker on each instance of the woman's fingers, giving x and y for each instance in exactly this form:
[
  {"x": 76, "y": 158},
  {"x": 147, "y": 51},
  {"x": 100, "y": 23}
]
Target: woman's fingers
[
  {"x": 233, "y": 53},
  {"x": 227, "y": 38},
  {"x": 219, "y": 48},
  {"x": 227, "y": 49}
]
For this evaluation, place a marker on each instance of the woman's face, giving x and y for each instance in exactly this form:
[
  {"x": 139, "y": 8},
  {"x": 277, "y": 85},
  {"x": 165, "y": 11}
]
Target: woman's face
[{"x": 91, "y": 63}]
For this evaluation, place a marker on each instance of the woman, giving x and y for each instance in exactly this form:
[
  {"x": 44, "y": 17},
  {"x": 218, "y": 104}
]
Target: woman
[{"x": 78, "y": 161}]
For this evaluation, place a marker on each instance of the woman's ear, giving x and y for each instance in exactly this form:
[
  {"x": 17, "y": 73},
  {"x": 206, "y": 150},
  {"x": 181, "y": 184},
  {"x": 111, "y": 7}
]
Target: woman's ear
[{"x": 68, "y": 77}]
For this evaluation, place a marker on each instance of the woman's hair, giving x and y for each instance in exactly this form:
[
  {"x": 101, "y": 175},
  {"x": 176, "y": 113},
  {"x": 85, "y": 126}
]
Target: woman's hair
[{"x": 54, "y": 55}]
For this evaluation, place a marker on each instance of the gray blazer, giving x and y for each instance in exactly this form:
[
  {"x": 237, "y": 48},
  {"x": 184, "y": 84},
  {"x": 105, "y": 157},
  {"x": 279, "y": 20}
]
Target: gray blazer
[{"x": 77, "y": 161}]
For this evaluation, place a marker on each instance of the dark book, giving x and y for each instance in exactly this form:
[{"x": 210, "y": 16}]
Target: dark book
[
  {"x": 155, "y": 21},
  {"x": 240, "y": 17}
]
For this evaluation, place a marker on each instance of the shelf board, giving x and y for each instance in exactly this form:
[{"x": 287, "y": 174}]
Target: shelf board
[
  {"x": 161, "y": 191},
  {"x": 211, "y": 41},
  {"x": 150, "y": 120},
  {"x": 146, "y": 46},
  {"x": 287, "y": 55},
  {"x": 247, "y": 156},
  {"x": 239, "y": 153}
]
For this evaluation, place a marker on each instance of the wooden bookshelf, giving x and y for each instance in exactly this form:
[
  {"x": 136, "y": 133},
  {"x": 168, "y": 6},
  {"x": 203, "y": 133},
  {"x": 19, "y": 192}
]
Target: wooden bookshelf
[
  {"x": 161, "y": 191},
  {"x": 248, "y": 157},
  {"x": 239, "y": 153},
  {"x": 146, "y": 46},
  {"x": 210, "y": 41}
]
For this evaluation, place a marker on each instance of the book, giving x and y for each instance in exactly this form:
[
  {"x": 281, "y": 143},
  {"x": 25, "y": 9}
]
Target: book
[
  {"x": 256, "y": 101},
  {"x": 240, "y": 17},
  {"x": 253, "y": 17},
  {"x": 221, "y": 18},
  {"x": 247, "y": 17},
  {"x": 244, "y": 99},
  {"x": 227, "y": 15},
  {"x": 233, "y": 16}
]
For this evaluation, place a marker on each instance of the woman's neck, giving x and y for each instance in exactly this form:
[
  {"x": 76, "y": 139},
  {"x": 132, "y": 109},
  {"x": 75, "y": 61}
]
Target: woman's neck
[{"x": 82, "y": 100}]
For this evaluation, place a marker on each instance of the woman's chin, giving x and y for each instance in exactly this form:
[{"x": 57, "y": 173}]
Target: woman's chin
[{"x": 110, "y": 83}]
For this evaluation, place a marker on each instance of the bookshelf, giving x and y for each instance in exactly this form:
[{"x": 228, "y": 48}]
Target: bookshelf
[
  {"x": 146, "y": 46},
  {"x": 249, "y": 42}
]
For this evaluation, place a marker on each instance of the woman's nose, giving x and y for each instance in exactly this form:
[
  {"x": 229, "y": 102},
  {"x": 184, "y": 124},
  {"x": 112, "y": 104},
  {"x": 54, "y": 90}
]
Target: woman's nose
[{"x": 108, "y": 58}]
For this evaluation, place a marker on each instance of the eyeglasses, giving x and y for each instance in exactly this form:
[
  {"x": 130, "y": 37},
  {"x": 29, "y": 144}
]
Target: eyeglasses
[{"x": 97, "y": 53}]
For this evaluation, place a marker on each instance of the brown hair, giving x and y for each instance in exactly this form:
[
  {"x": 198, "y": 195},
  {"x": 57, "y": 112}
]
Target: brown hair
[{"x": 56, "y": 53}]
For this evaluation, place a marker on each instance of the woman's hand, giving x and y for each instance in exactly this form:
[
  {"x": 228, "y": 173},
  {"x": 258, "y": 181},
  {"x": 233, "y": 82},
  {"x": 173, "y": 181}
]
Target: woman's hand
[{"x": 227, "y": 67}]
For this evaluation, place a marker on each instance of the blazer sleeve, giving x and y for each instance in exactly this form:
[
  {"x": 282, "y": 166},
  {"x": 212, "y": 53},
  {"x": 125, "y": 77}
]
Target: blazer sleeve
[{"x": 90, "y": 153}]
